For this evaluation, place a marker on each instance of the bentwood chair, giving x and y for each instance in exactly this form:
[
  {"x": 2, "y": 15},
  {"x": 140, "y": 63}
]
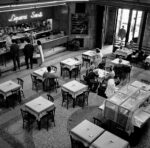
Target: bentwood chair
[
  {"x": 50, "y": 98},
  {"x": 16, "y": 94},
  {"x": 64, "y": 71},
  {"x": 86, "y": 61},
  {"x": 21, "y": 82},
  {"x": 66, "y": 97},
  {"x": 82, "y": 99},
  {"x": 50, "y": 84},
  {"x": 27, "y": 118},
  {"x": 36, "y": 83}
]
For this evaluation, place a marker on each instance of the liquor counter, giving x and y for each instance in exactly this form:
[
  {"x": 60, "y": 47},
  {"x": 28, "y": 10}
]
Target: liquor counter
[{"x": 49, "y": 39}]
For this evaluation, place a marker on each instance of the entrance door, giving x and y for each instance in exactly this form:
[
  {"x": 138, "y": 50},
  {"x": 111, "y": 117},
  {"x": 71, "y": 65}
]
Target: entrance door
[{"x": 131, "y": 21}]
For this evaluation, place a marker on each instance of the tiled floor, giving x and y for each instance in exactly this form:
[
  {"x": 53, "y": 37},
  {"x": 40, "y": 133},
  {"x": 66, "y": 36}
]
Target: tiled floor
[{"x": 11, "y": 131}]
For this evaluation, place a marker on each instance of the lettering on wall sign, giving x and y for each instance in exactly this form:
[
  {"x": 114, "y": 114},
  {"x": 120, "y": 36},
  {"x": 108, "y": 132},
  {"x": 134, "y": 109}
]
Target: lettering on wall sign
[
  {"x": 15, "y": 18},
  {"x": 36, "y": 15}
]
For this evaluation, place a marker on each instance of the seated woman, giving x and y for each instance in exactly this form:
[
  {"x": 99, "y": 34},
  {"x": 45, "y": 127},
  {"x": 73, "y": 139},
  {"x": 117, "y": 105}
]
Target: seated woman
[{"x": 111, "y": 87}]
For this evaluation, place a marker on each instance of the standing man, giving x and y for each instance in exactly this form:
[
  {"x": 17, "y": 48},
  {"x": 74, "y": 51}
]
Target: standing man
[
  {"x": 122, "y": 33},
  {"x": 28, "y": 52},
  {"x": 14, "y": 50}
]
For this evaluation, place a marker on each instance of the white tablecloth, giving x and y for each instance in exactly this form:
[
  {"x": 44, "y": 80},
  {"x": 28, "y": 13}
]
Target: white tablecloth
[
  {"x": 39, "y": 106},
  {"x": 74, "y": 88},
  {"x": 116, "y": 61},
  {"x": 109, "y": 140},
  {"x": 123, "y": 52},
  {"x": 91, "y": 54},
  {"x": 147, "y": 60},
  {"x": 70, "y": 63},
  {"x": 86, "y": 132},
  {"x": 7, "y": 87}
]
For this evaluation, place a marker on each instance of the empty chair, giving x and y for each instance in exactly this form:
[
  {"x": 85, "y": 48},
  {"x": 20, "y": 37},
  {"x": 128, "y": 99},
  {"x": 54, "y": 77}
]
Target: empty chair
[
  {"x": 82, "y": 99},
  {"x": 27, "y": 118},
  {"x": 64, "y": 71},
  {"x": 21, "y": 82},
  {"x": 51, "y": 116},
  {"x": 76, "y": 71},
  {"x": 36, "y": 83},
  {"x": 50, "y": 98},
  {"x": 66, "y": 97},
  {"x": 16, "y": 94},
  {"x": 86, "y": 60}
]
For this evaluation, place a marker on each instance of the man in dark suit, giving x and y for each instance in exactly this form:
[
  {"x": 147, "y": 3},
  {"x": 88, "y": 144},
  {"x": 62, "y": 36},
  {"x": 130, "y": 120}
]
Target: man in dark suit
[
  {"x": 28, "y": 52},
  {"x": 14, "y": 50}
]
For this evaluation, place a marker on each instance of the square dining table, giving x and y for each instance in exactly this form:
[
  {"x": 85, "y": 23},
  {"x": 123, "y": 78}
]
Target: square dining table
[
  {"x": 90, "y": 54},
  {"x": 74, "y": 88},
  {"x": 7, "y": 87},
  {"x": 86, "y": 132},
  {"x": 125, "y": 52},
  {"x": 39, "y": 72},
  {"x": 123, "y": 62},
  {"x": 39, "y": 107},
  {"x": 109, "y": 140},
  {"x": 70, "y": 63}
]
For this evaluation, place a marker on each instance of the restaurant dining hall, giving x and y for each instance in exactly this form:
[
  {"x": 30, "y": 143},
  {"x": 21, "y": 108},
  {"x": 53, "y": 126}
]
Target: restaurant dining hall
[{"x": 74, "y": 74}]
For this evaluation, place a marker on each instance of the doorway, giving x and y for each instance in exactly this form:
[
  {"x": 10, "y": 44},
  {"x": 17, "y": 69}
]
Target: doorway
[{"x": 131, "y": 21}]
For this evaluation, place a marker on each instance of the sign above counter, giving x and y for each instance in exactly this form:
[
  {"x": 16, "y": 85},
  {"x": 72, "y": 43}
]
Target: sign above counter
[{"x": 15, "y": 18}]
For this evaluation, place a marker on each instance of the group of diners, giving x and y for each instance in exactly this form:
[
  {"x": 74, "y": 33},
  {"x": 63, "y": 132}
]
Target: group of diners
[
  {"x": 114, "y": 74},
  {"x": 135, "y": 56}
]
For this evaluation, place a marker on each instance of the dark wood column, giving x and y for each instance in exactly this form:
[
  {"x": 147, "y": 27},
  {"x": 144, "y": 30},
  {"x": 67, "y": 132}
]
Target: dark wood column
[
  {"x": 128, "y": 28},
  {"x": 143, "y": 29}
]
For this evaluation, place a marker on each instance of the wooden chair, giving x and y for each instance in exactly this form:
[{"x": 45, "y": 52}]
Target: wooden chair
[
  {"x": 50, "y": 98},
  {"x": 82, "y": 99},
  {"x": 27, "y": 118},
  {"x": 86, "y": 60},
  {"x": 66, "y": 97},
  {"x": 16, "y": 94},
  {"x": 64, "y": 71},
  {"x": 36, "y": 83},
  {"x": 50, "y": 84},
  {"x": 76, "y": 71},
  {"x": 51, "y": 116},
  {"x": 21, "y": 82}
]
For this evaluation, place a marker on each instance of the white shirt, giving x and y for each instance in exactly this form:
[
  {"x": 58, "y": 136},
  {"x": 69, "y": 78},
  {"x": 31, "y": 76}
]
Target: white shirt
[
  {"x": 111, "y": 88},
  {"x": 98, "y": 59}
]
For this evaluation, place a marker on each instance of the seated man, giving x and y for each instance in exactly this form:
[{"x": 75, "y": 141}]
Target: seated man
[
  {"x": 92, "y": 80},
  {"x": 111, "y": 87},
  {"x": 49, "y": 75}
]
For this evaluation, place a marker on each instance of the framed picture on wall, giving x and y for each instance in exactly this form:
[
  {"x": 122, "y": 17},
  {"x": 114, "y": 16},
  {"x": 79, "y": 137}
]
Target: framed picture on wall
[{"x": 79, "y": 23}]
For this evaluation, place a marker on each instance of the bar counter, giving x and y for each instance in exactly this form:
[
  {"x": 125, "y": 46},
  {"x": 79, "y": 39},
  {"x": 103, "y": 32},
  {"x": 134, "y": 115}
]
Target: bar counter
[{"x": 54, "y": 41}]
